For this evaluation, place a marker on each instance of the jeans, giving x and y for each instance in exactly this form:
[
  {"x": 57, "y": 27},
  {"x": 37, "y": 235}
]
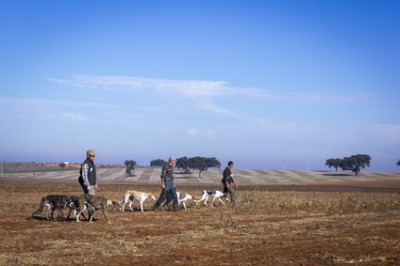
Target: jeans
[{"x": 169, "y": 188}]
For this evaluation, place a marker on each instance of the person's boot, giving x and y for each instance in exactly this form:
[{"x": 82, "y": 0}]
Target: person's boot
[{"x": 155, "y": 208}]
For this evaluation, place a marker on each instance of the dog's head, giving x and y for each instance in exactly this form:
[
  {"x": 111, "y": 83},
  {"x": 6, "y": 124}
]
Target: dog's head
[{"x": 114, "y": 204}]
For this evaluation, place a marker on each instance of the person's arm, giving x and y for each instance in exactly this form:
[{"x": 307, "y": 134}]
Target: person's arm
[
  {"x": 85, "y": 170},
  {"x": 226, "y": 176},
  {"x": 234, "y": 183},
  {"x": 163, "y": 173}
]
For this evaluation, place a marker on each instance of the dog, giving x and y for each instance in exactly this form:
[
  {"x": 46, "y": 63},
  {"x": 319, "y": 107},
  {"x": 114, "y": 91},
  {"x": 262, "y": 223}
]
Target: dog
[
  {"x": 74, "y": 206},
  {"x": 95, "y": 203},
  {"x": 131, "y": 195},
  {"x": 183, "y": 200},
  {"x": 52, "y": 203},
  {"x": 215, "y": 194}
]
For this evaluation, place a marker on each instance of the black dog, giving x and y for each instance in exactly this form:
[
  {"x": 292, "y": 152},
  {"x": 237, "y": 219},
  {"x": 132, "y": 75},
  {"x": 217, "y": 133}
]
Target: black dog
[{"x": 52, "y": 203}]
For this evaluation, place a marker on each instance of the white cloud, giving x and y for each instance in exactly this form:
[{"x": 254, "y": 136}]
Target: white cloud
[
  {"x": 73, "y": 117},
  {"x": 203, "y": 133},
  {"x": 192, "y": 131},
  {"x": 12, "y": 101},
  {"x": 201, "y": 89},
  {"x": 209, "y": 96}
]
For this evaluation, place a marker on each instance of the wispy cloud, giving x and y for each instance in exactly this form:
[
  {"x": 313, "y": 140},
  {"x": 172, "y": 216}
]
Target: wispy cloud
[
  {"x": 198, "y": 89},
  {"x": 49, "y": 102},
  {"x": 201, "y": 93},
  {"x": 209, "y": 96},
  {"x": 73, "y": 117},
  {"x": 28, "y": 108}
]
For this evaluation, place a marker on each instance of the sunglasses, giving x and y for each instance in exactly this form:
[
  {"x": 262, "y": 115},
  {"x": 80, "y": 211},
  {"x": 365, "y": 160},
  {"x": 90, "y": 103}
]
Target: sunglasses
[{"x": 92, "y": 155}]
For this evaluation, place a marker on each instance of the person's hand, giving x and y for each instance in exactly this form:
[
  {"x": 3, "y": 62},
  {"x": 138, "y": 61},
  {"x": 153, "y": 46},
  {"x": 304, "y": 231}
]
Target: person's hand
[
  {"x": 235, "y": 185},
  {"x": 96, "y": 187}
]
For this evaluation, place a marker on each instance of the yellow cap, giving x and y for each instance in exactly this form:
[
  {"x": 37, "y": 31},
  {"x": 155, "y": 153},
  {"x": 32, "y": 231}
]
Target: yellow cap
[{"x": 91, "y": 152}]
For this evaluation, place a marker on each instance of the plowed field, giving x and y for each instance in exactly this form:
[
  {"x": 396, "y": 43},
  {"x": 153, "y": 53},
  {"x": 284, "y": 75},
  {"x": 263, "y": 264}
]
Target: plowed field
[{"x": 266, "y": 228}]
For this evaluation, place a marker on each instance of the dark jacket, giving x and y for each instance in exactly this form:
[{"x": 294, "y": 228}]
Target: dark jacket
[
  {"x": 91, "y": 173},
  {"x": 227, "y": 176}
]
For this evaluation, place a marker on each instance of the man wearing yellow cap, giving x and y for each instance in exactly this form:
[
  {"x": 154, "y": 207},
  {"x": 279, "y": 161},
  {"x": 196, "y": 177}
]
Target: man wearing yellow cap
[{"x": 87, "y": 177}]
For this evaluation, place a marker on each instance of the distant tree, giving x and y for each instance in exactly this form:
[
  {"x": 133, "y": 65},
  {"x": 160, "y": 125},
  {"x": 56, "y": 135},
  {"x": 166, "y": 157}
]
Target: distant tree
[
  {"x": 200, "y": 163},
  {"x": 130, "y": 166},
  {"x": 157, "y": 162},
  {"x": 333, "y": 163},
  {"x": 353, "y": 163},
  {"x": 62, "y": 165},
  {"x": 398, "y": 162},
  {"x": 183, "y": 163},
  {"x": 356, "y": 162}
]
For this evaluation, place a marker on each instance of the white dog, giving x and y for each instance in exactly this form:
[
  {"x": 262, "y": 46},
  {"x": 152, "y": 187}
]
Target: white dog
[
  {"x": 215, "y": 194},
  {"x": 182, "y": 200},
  {"x": 131, "y": 195}
]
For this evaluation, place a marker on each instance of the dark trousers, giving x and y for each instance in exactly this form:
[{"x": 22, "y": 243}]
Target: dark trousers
[{"x": 169, "y": 189}]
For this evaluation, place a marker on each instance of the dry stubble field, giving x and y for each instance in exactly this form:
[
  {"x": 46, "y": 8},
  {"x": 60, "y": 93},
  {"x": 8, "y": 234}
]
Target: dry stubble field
[{"x": 266, "y": 228}]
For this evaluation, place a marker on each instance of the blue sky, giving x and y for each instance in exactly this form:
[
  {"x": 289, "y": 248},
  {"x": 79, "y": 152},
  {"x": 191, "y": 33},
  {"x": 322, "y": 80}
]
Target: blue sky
[{"x": 267, "y": 84}]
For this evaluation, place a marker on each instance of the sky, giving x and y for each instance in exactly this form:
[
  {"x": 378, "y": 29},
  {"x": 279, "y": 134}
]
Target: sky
[{"x": 283, "y": 84}]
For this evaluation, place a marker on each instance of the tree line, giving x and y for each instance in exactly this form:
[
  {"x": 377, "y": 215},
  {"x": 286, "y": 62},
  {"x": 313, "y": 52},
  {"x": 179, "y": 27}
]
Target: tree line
[
  {"x": 353, "y": 163},
  {"x": 187, "y": 164}
]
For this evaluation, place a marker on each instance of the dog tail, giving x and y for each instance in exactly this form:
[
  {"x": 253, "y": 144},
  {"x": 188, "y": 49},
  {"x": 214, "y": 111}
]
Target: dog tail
[{"x": 41, "y": 206}]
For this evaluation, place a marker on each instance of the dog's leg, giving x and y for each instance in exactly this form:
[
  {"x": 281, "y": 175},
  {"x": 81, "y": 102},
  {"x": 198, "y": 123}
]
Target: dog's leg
[
  {"x": 184, "y": 205},
  {"x": 212, "y": 204},
  {"x": 124, "y": 202},
  {"x": 60, "y": 213},
  {"x": 205, "y": 200},
  {"x": 141, "y": 205},
  {"x": 91, "y": 216},
  {"x": 52, "y": 214},
  {"x": 222, "y": 201},
  {"x": 74, "y": 215},
  {"x": 79, "y": 212},
  {"x": 130, "y": 205},
  {"x": 48, "y": 210},
  {"x": 70, "y": 210},
  {"x": 104, "y": 211}
]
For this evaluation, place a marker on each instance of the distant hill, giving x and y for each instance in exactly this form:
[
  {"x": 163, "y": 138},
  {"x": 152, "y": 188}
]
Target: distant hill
[
  {"x": 212, "y": 177},
  {"x": 18, "y": 167}
]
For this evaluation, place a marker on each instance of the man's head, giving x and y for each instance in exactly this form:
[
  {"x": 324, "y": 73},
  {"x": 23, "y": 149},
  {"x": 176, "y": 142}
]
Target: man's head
[
  {"x": 172, "y": 160},
  {"x": 91, "y": 154},
  {"x": 230, "y": 164}
]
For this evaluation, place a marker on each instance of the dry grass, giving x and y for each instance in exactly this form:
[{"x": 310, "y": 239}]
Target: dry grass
[{"x": 266, "y": 228}]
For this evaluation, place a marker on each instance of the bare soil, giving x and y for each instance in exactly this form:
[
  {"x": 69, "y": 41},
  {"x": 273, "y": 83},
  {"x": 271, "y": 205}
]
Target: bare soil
[{"x": 270, "y": 226}]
